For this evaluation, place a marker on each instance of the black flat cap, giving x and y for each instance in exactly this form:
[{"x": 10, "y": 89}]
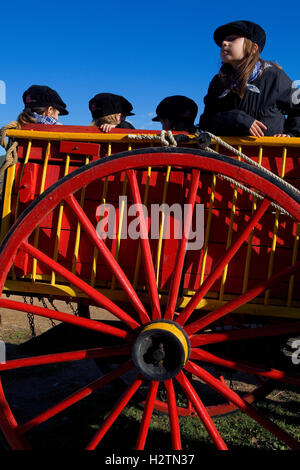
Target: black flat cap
[
  {"x": 38, "y": 96},
  {"x": 176, "y": 107},
  {"x": 247, "y": 29},
  {"x": 104, "y": 104}
]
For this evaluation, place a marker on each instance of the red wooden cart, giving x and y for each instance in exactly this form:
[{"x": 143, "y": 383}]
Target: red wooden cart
[{"x": 212, "y": 284}]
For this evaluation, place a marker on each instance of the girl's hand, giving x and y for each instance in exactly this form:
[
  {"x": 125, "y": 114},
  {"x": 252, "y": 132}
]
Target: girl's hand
[
  {"x": 281, "y": 135},
  {"x": 107, "y": 127},
  {"x": 257, "y": 129}
]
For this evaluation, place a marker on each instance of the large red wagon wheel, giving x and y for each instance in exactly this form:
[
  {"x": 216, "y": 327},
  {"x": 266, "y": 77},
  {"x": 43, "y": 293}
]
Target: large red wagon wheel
[{"x": 155, "y": 344}]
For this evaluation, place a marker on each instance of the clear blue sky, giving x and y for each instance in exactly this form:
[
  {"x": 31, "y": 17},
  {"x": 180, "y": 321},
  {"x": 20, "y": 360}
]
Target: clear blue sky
[{"x": 144, "y": 51}]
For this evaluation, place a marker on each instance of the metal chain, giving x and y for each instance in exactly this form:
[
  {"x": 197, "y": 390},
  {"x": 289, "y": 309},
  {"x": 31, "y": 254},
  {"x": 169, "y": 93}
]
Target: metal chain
[
  {"x": 74, "y": 311},
  {"x": 30, "y": 317},
  {"x": 41, "y": 299}
]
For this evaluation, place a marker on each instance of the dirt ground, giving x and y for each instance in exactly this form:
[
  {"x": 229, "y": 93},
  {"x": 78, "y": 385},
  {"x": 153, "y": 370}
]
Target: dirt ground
[{"x": 14, "y": 324}]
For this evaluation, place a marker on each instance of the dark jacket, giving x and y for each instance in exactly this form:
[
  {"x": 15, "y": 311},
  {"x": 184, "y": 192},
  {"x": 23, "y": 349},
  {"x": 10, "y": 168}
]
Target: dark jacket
[
  {"x": 271, "y": 99},
  {"x": 125, "y": 125}
]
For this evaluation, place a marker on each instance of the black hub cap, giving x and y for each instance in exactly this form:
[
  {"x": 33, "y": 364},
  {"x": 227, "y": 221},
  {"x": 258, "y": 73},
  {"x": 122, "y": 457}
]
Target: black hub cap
[{"x": 161, "y": 350}]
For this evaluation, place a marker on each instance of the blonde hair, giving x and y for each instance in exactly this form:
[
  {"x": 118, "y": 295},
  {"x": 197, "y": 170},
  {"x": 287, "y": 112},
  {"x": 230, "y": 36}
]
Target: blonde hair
[
  {"x": 25, "y": 117},
  {"x": 109, "y": 119}
]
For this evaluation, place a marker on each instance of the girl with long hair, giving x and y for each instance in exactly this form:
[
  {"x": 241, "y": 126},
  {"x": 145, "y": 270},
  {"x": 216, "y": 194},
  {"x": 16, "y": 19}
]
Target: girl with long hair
[{"x": 249, "y": 96}]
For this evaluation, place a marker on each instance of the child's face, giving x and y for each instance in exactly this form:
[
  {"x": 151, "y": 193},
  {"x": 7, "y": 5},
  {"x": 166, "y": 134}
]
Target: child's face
[
  {"x": 233, "y": 49},
  {"x": 166, "y": 124},
  {"x": 50, "y": 111}
]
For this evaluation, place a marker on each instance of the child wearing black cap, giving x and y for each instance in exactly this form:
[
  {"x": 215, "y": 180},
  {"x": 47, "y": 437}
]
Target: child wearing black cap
[
  {"x": 42, "y": 105},
  {"x": 109, "y": 111},
  {"x": 177, "y": 113},
  {"x": 249, "y": 96}
]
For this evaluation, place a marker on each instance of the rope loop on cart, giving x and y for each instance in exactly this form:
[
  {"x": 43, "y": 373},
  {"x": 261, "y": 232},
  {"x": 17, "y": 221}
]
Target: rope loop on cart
[
  {"x": 3, "y": 131},
  {"x": 165, "y": 138},
  {"x": 11, "y": 156}
]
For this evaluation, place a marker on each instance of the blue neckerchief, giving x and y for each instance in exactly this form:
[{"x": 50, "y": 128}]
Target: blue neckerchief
[
  {"x": 40, "y": 119},
  {"x": 254, "y": 74}
]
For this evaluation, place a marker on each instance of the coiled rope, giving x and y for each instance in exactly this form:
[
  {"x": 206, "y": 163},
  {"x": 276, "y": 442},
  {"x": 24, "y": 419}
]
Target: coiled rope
[
  {"x": 162, "y": 138},
  {"x": 11, "y": 156}
]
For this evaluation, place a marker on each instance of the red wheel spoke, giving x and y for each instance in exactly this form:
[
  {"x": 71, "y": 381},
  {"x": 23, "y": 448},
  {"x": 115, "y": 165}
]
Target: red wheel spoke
[
  {"x": 245, "y": 334},
  {"x": 240, "y": 300},
  {"x": 201, "y": 411},
  {"x": 242, "y": 366},
  {"x": 116, "y": 411},
  {"x": 109, "y": 258},
  {"x": 65, "y": 317},
  {"x": 83, "y": 286},
  {"x": 76, "y": 397},
  {"x": 173, "y": 416},
  {"x": 243, "y": 405},
  {"x": 56, "y": 358},
  {"x": 217, "y": 272},
  {"x": 145, "y": 423},
  {"x": 146, "y": 250},
  {"x": 172, "y": 300}
]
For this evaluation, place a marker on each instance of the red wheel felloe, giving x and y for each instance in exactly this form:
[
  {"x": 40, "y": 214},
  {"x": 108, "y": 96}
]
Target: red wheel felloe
[{"x": 164, "y": 330}]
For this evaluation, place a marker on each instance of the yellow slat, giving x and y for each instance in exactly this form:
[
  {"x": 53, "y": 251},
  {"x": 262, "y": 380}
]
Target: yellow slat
[
  {"x": 42, "y": 187},
  {"x": 21, "y": 176},
  {"x": 138, "y": 259},
  {"x": 59, "y": 221},
  {"x": 294, "y": 259},
  {"x": 162, "y": 224},
  {"x": 78, "y": 228},
  {"x": 249, "y": 247},
  {"x": 229, "y": 236},
  {"x": 275, "y": 230}
]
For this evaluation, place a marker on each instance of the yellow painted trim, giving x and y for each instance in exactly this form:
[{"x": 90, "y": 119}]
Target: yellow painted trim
[
  {"x": 138, "y": 258},
  {"x": 121, "y": 216},
  {"x": 264, "y": 141},
  {"x": 96, "y": 251},
  {"x": 208, "y": 227},
  {"x": 170, "y": 328},
  {"x": 111, "y": 137},
  {"x": 294, "y": 259},
  {"x": 275, "y": 308},
  {"x": 162, "y": 225},
  {"x": 59, "y": 222},
  {"x": 275, "y": 229},
  {"x": 6, "y": 211},
  {"x": 249, "y": 247},
  {"x": 77, "y": 136},
  {"x": 78, "y": 228},
  {"x": 21, "y": 176},
  {"x": 229, "y": 236},
  {"x": 42, "y": 187}
]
